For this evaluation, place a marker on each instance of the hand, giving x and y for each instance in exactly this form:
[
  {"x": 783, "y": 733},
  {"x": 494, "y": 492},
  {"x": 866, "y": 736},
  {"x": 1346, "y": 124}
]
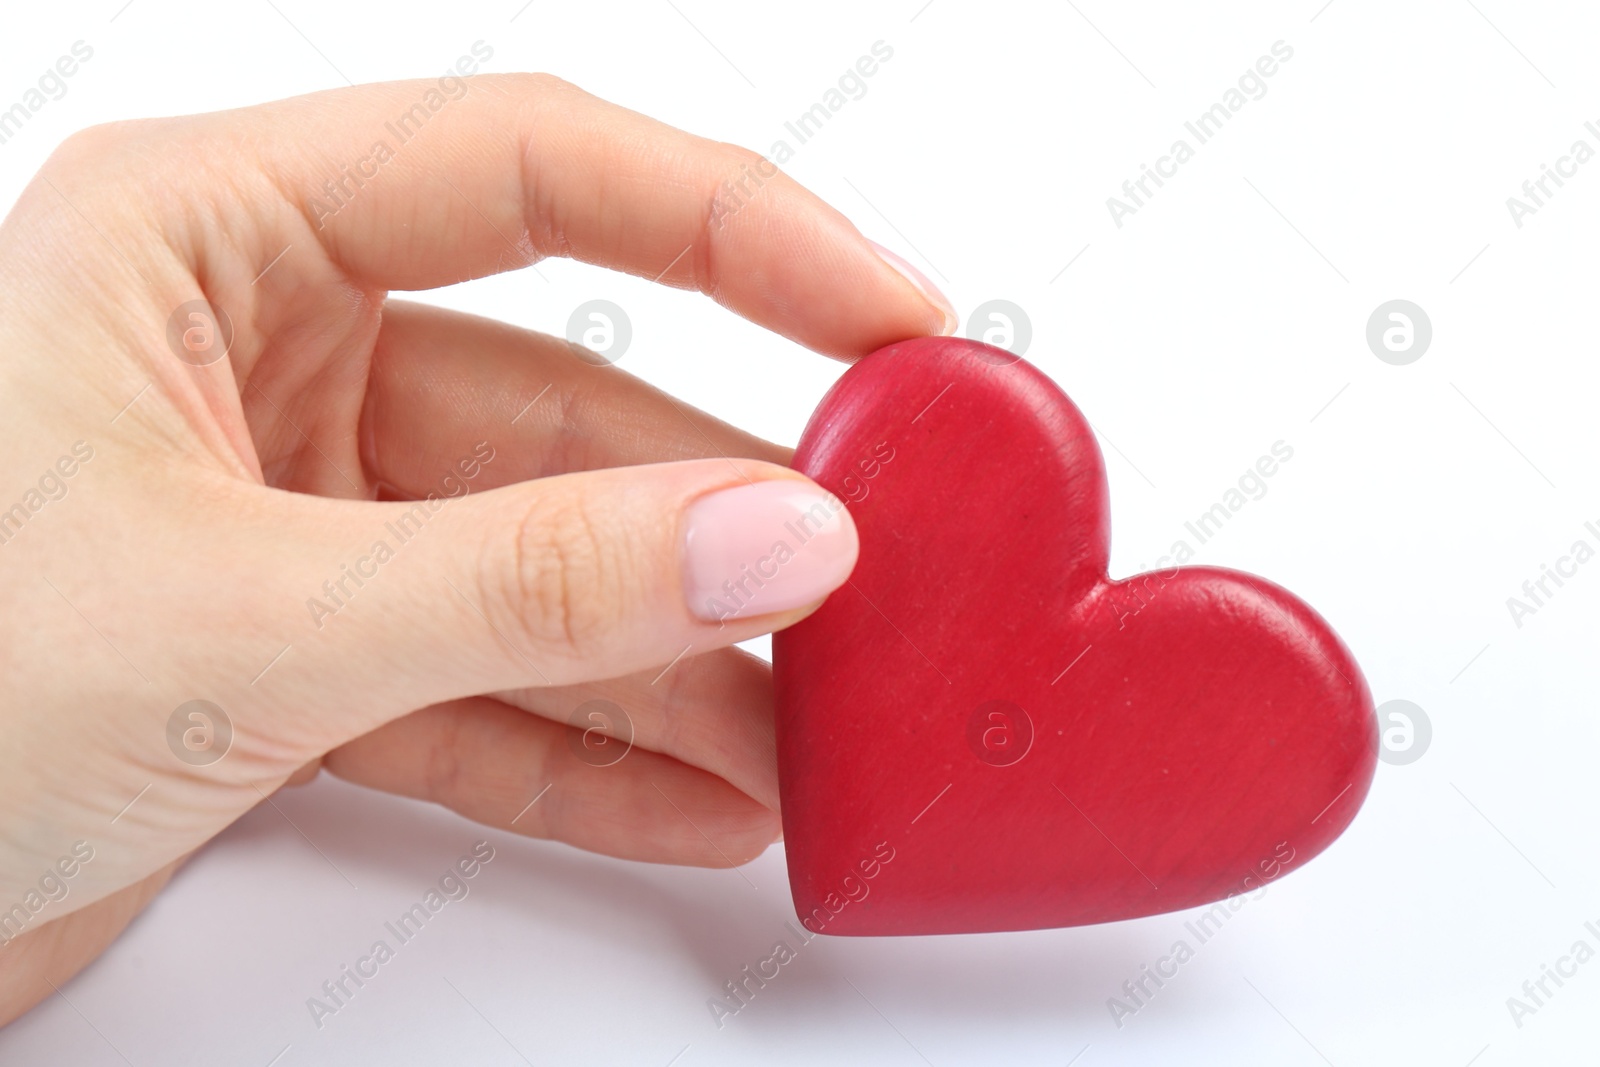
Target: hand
[{"x": 173, "y": 529}]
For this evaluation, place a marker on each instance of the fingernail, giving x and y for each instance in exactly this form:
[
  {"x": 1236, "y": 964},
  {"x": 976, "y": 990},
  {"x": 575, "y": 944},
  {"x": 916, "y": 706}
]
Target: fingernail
[
  {"x": 771, "y": 546},
  {"x": 929, "y": 291}
]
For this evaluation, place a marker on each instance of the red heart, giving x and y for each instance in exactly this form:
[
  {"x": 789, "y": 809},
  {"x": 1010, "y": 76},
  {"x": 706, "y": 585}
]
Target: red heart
[{"x": 982, "y": 731}]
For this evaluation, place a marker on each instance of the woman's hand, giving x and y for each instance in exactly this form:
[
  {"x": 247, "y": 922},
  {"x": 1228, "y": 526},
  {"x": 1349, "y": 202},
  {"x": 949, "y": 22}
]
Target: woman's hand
[{"x": 407, "y": 544}]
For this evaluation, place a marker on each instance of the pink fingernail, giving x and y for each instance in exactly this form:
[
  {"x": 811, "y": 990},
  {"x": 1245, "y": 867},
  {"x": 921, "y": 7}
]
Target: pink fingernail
[
  {"x": 772, "y": 546},
  {"x": 929, "y": 291}
]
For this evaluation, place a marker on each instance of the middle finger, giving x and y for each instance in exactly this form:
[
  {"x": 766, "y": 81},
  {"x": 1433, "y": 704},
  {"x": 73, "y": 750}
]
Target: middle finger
[{"x": 447, "y": 387}]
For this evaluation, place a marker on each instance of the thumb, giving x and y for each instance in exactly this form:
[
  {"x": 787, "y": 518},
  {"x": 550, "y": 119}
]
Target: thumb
[{"x": 562, "y": 580}]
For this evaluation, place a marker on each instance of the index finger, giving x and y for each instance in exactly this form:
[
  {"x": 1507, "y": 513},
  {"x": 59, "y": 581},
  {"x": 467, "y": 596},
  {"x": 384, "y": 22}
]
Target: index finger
[{"x": 406, "y": 187}]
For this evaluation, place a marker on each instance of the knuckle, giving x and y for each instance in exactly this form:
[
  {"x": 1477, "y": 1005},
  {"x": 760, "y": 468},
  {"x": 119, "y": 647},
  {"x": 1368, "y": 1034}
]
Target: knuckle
[
  {"x": 737, "y": 156},
  {"x": 744, "y": 168},
  {"x": 131, "y": 164},
  {"x": 552, "y": 83},
  {"x": 107, "y": 145},
  {"x": 562, "y": 577},
  {"x": 541, "y": 84},
  {"x": 93, "y": 141}
]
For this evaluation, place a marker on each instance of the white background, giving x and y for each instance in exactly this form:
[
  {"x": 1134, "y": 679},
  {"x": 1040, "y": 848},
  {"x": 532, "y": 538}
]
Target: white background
[{"x": 1225, "y": 315}]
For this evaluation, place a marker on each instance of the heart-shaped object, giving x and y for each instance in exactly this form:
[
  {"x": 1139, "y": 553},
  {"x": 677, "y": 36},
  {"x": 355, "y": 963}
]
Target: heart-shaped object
[{"x": 982, "y": 731}]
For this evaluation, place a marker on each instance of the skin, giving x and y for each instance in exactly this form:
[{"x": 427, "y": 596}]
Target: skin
[{"x": 219, "y": 498}]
